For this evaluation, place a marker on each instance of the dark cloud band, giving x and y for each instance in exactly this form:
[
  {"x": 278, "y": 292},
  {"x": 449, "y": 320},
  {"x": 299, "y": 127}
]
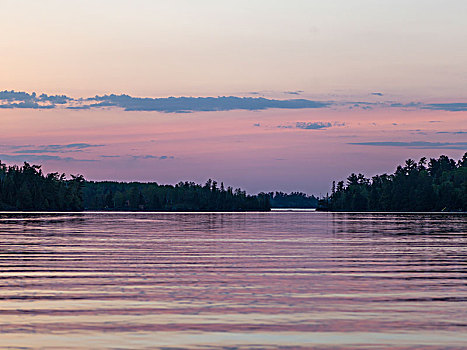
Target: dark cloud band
[{"x": 18, "y": 99}]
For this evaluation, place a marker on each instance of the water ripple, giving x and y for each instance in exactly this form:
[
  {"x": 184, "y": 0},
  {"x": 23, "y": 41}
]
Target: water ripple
[{"x": 280, "y": 280}]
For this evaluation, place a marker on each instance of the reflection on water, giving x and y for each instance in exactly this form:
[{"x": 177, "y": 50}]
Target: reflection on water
[{"x": 244, "y": 280}]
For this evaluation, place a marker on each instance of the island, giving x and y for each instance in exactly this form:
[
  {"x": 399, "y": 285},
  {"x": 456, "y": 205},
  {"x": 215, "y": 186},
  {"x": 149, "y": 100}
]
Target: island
[{"x": 424, "y": 186}]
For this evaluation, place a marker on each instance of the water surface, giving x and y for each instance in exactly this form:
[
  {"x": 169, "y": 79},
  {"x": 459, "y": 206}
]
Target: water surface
[{"x": 287, "y": 280}]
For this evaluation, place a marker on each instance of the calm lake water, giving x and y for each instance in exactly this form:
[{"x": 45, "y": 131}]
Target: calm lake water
[{"x": 286, "y": 280}]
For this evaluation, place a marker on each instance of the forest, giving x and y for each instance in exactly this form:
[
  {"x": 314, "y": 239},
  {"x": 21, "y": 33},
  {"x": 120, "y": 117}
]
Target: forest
[
  {"x": 27, "y": 188},
  {"x": 434, "y": 185},
  {"x": 292, "y": 200},
  {"x": 184, "y": 196}
]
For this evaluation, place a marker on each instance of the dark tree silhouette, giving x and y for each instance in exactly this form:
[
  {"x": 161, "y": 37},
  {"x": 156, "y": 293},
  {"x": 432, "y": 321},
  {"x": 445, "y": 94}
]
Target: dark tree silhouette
[
  {"x": 184, "y": 196},
  {"x": 292, "y": 200},
  {"x": 437, "y": 185},
  {"x": 27, "y": 188}
]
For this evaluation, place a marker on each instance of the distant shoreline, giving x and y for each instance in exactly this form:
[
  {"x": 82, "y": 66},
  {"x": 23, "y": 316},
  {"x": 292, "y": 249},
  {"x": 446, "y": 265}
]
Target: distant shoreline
[{"x": 273, "y": 211}]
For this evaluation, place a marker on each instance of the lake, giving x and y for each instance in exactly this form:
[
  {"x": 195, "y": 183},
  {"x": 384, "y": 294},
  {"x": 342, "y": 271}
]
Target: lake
[{"x": 275, "y": 280}]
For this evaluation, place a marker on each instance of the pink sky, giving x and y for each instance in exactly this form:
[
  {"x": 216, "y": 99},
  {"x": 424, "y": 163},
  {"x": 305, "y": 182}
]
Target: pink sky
[
  {"x": 256, "y": 150},
  {"x": 339, "y": 51}
]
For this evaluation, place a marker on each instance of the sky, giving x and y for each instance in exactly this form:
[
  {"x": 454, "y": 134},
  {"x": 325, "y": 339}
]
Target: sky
[{"x": 263, "y": 95}]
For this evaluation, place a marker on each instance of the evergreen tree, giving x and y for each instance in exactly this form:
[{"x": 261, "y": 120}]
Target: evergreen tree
[{"x": 437, "y": 185}]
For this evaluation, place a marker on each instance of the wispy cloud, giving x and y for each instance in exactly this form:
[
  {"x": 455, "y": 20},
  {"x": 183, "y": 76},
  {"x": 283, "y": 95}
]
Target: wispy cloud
[
  {"x": 452, "y": 132},
  {"x": 80, "y": 107},
  {"x": 27, "y": 104},
  {"x": 362, "y": 105},
  {"x": 39, "y": 158},
  {"x": 72, "y": 146},
  {"x": 12, "y": 147},
  {"x": 308, "y": 125},
  {"x": 452, "y": 107},
  {"x": 43, "y": 152},
  {"x": 298, "y": 92},
  {"x": 415, "y": 144},
  {"x": 56, "y": 99},
  {"x": 312, "y": 125},
  {"x": 19, "y": 99},
  {"x": 30, "y": 149},
  {"x": 150, "y": 156},
  {"x": 16, "y": 95}
]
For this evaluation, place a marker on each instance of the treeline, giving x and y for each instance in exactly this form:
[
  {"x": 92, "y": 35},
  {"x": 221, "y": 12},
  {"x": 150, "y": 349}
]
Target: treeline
[
  {"x": 292, "y": 200},
  {"x": 184, "y": 196},
  {"x": 434, "y": 185},
  {"x": 27, "y": 188}
]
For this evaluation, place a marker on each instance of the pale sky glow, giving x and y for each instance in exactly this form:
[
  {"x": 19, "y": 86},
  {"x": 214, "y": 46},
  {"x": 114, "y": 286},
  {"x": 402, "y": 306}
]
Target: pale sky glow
[
  {"x": 338, "y": 51},
  {"x": 160, "y": 48}
]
